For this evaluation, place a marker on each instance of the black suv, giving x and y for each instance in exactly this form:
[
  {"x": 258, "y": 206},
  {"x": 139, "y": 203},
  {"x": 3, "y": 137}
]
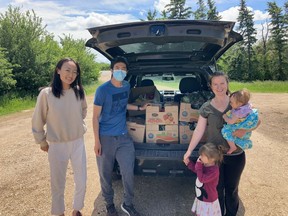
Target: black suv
[{"x": 178, "y": 56}]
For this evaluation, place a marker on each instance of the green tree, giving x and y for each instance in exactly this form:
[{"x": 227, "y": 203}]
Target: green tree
[
  {"x": 246, "y": 28},
  {"x": 19, "y": 35},
  {"x": 200, "y": 13},
  {"x": 278, "y": 37},
  {"x": 151, "y": 15},
  {"x": 176, "y": 10},
  {"x": 164, "y": 15},
  {"x": 7, "y": 81},
  {"x": 212, "y": 13}
]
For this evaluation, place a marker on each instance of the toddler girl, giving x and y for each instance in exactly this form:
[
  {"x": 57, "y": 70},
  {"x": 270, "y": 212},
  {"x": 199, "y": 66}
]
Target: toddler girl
[{"x": 207, "y": 169}]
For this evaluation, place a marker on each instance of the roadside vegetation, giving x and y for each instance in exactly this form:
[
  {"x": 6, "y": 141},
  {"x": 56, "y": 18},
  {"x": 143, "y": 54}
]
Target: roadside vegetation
[
  {"x": 29, "y": 53},
  {"x": 17, "y": 104}
]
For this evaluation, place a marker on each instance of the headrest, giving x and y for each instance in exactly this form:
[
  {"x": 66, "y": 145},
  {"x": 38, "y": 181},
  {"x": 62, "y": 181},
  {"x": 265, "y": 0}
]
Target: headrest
[
  {"x": 189, "y": 84},
  {"x": 147, "y": 82}
]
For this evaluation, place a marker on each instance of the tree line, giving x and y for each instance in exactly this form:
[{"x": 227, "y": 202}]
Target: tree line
[
  {"x": 29, "y": 53},
  {"x": 251, "y": 59}
]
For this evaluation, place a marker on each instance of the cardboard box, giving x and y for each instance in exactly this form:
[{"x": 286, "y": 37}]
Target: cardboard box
[
  {"x": 186, "y": 130},
  {"x": 187, "y": 114},
  {"x": 141, "y": 94},
  {"x": 136, "y": 129},
  {"x": 158, "y": 115},
  {"x": 162, "y": 134}
]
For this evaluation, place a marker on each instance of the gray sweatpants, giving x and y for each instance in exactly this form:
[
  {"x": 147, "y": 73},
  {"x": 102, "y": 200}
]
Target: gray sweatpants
[{"x": 122, "y": 149}]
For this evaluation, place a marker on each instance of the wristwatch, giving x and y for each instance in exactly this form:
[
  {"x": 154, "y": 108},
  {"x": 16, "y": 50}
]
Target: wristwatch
[{"x": 138, "y": 107}]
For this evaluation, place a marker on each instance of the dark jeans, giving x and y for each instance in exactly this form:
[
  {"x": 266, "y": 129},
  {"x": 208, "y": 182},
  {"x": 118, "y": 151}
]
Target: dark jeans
[
  {"x": 230, "y": 173},
  {"x": 122, "y": 149}
]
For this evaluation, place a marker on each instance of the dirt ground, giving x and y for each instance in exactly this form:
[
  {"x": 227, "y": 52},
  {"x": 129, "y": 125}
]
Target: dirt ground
[{"x": 24, "y": 171}]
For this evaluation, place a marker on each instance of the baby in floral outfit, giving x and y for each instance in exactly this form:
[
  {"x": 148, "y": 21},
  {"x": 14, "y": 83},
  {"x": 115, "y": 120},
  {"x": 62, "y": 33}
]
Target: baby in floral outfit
[{"x": 241, "y": 116}]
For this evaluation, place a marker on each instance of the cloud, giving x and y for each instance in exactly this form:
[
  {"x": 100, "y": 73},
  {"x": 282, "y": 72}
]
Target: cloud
[
  {"x": 230, "y": 15},
  {"x": 260, "y": 15},
  {"x": 160, "y": 5}
]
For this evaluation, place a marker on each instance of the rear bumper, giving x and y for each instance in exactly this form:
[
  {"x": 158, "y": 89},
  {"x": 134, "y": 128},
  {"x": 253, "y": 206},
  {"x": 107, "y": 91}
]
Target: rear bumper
[{"x": 165, "y": 159}]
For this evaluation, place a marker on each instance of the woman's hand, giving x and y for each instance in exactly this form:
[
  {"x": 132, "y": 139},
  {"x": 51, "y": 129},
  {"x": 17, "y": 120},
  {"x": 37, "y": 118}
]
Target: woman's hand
[
  {"x": 186, "y": 157},
  {"x": 45, "y": 148}
]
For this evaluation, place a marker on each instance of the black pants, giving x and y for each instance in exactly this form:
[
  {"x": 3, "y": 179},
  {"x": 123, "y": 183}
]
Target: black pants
[{"x": 230, "y": 173}]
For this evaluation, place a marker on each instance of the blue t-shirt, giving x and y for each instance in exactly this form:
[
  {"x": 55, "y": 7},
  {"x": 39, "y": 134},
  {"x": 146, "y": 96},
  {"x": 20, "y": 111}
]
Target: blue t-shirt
[{"x": 113, "y": 100}]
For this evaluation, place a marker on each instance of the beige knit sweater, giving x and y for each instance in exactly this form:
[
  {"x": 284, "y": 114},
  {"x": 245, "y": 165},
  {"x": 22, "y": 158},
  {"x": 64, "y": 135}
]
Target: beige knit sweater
[{"x": 62, "y": 117}]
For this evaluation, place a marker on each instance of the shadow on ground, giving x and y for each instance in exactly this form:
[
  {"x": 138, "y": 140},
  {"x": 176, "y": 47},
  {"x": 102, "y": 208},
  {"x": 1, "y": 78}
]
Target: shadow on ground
[{"x": 157, "y": 195}]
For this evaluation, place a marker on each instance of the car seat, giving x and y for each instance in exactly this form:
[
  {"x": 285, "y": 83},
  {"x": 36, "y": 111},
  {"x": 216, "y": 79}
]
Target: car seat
[
  {"x": 147, "y": 82},
  {"x": 187, "y": 85}
]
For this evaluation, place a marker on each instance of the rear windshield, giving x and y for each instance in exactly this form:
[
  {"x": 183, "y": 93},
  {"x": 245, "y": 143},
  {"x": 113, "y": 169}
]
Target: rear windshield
[
  {"x": 149, "y": 47},
  {"x": 166, "y": 81}
]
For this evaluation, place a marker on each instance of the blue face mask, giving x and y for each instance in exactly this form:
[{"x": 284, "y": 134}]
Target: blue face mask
[{"x": 119, "y": 75}]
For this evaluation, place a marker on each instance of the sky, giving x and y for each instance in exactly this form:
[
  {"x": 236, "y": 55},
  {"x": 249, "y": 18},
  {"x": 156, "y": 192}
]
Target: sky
[{"x": 75, "y": 17}]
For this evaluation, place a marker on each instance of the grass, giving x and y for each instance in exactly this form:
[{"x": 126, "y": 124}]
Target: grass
[
  {"x": 9, "y": 104},
  {"x": 261, "y": 87},
  {"x": 256, "y": 86},
  {"x": 13, "y": 104}
]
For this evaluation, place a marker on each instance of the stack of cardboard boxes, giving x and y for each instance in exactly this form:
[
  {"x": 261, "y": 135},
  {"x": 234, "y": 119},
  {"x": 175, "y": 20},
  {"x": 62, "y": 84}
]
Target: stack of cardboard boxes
[
  {"x": 188, "y": 118},
  {"x": 161, "y": 123}
]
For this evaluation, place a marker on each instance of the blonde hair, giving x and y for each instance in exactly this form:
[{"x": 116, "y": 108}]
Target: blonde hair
[
  {"x": 241, "y": 96},
  {"x": 212, "y": 151}
]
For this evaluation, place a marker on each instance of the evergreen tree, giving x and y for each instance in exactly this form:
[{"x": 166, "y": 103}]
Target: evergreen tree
[
  {"x": 176, "y": 10},
  {"x": 246, "y": 28},
  {"x": 279, "y": 37},
  {"x": 164, "y": 15},
  {"x": 200, "y": 13},
  {"x": 151, "y": 15},
  {"x": 212, "y": 13}
]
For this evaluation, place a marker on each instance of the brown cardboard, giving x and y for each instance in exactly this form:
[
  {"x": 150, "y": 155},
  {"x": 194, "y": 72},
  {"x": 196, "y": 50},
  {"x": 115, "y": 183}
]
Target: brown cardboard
[
  {"x": 157, "y": 115},
  {"x": 162, "y": 134},
  {"x": 141, "y": 94},
  {"x": 187, "y": 114},
  {"x": 136, "y": 130},
  {"x": 186, "y": 130}
]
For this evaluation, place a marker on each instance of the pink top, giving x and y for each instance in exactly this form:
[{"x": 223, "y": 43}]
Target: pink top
[{"x": 206, "y": 182}]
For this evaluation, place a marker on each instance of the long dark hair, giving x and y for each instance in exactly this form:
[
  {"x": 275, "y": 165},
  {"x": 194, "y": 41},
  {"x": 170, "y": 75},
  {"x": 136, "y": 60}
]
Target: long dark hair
[{"x": 56, "y": 84}]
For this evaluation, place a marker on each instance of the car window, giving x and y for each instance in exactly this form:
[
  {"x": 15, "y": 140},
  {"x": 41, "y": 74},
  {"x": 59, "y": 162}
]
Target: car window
[
  {"x": 149, "y": 47},
  {"x": 166, "y": 81}
]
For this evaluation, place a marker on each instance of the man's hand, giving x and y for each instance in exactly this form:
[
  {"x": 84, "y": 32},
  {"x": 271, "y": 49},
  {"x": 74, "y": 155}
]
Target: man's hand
[{"x": 97, "y": 149}]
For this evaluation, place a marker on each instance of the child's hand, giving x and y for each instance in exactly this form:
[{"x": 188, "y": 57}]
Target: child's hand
[{"x": 199, "y": 159}]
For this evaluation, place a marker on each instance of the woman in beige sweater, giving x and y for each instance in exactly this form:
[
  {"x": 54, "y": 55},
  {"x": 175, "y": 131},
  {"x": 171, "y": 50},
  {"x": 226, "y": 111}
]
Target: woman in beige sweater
[{"x": 62, "y": 108}]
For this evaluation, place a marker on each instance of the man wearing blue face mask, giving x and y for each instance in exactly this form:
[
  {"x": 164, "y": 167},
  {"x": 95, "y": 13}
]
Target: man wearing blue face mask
[{"x": 112, "y": 140}]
